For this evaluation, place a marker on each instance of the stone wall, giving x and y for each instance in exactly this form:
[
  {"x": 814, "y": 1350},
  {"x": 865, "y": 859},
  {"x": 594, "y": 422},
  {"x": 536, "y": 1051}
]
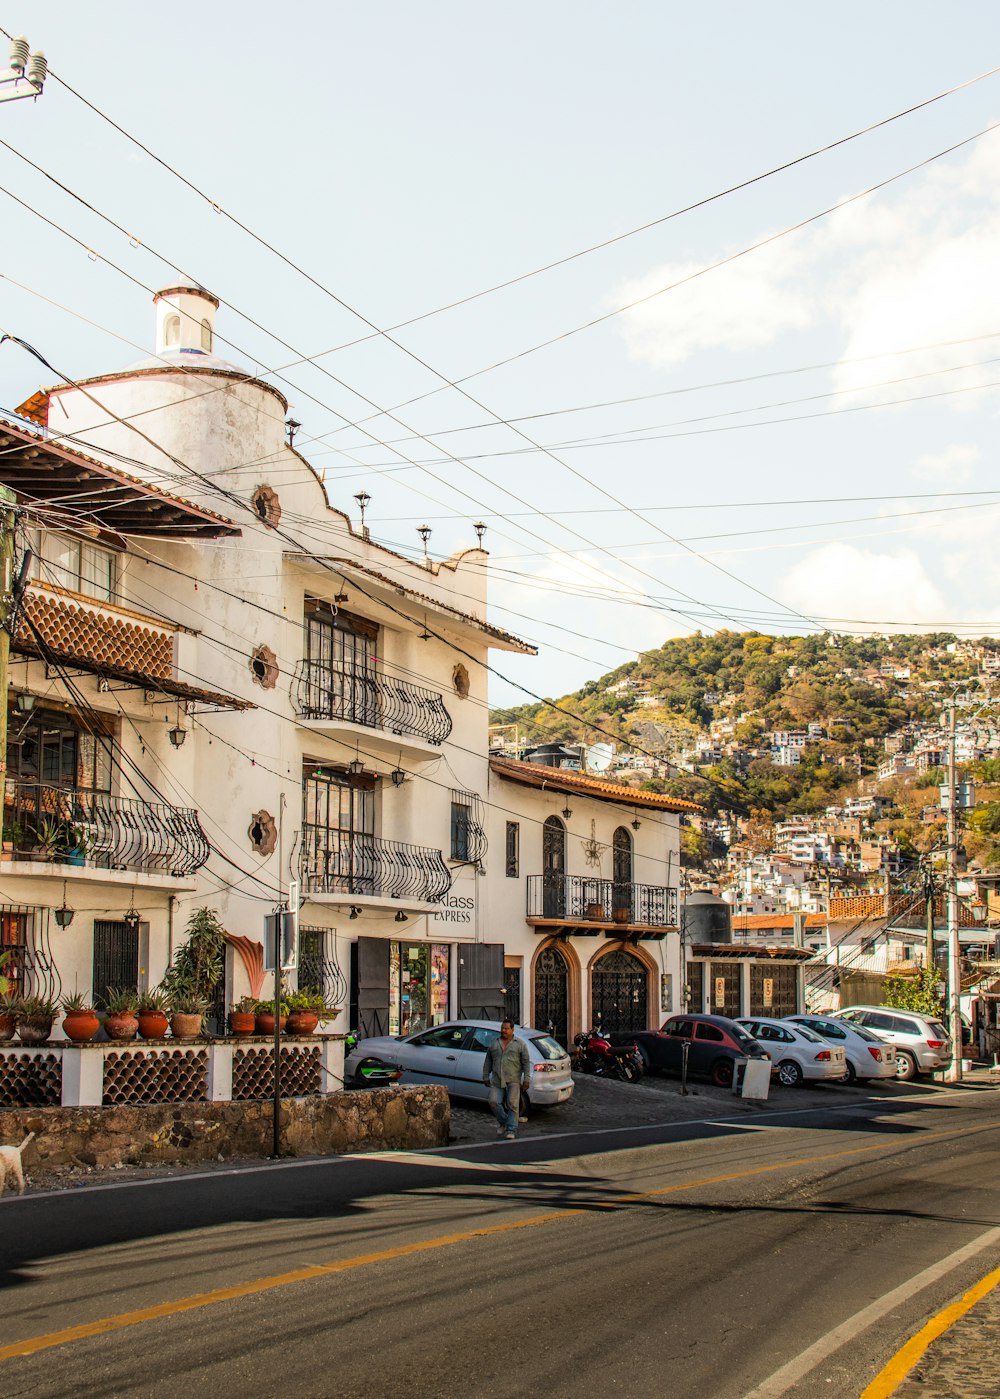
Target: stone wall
[{"x": 386, "y": 1119}]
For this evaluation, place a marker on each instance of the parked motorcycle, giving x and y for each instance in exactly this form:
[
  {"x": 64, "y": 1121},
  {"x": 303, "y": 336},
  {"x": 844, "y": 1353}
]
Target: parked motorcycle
[
  {"x": 593, "y": 1053},
  {"x": 371, "y": 1072}
]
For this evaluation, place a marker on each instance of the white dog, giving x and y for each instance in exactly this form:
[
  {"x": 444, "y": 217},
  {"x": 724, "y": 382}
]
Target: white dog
[{"x": 10, "y": 1165}]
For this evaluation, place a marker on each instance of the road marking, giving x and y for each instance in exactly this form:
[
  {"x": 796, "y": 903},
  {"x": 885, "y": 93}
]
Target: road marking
[
  {"x": 888, "y": 1380},
  {"x": 33, "y": 1344},
  {"x": 795, "y": 1370}
]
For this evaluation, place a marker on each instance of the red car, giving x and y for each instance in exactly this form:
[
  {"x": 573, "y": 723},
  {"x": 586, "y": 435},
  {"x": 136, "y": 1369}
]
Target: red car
[{"x": 716, "y": 1043}]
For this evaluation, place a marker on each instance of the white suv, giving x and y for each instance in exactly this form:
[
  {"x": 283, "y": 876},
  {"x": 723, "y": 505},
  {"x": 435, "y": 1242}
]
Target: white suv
[{"x": 923, "y": 1045}]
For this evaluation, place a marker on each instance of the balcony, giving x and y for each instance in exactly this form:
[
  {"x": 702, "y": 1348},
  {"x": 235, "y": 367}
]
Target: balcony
[
  {"x": 60, "y": 825},
  {"x": 363, "y": 870},
  {"x": 581, "y": 907},
  {"x": 392, "y": 713}
]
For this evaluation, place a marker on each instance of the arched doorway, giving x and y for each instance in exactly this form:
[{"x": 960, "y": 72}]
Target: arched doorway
[
  {"x": 621, "y": 871},
  {"x": 553, "y": 868},
  {"x": 620, "y": 991},
  {"x": 552, "y": 994}
]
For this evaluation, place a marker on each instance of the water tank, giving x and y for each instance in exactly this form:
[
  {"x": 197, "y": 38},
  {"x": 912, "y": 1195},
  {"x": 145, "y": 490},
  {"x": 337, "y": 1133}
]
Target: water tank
[
  {"x": 551, "y": 755},
  {"x": 707, "y": 918}
]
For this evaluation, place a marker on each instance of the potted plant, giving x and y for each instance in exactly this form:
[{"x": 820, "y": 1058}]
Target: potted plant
[
  {"x": 243, "y": 1016},
  {"x": 33, "y": 1016},
  {"x": 152, "y": 1014},
  {"x": 79, "y": 843},
  {"x": 187, "y": 1011},
  {"x": 121, "y": 1022},
  {"x": 80, "y": 1020},
  {"x": 8, "y": 1017},
  {"x": 264, "y": 1017},
  {"x": 13, "y": 834},
  {"x": 50, "y": 838},
  {"x": 304, "y": 1009}
]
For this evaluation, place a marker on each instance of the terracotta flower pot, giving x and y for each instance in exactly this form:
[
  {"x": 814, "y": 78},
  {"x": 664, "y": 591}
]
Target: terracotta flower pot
[
  {"x": 302, "y": 1022},
  {"x": 7, "y": 1025},
  {"x": 242, "y": 1022},
  {"x": 595, "y": 912},
  {"x": 80, "y": 1025},
  {"x": 153, "y": 1024},
  {"x": 121, "y": 1028},
  {"x": 620, "y": 915},
  {"x": 264, "y": 1022},
  {"x": 34, "y": 1031},
  {"x": 185, "y": 1027}
]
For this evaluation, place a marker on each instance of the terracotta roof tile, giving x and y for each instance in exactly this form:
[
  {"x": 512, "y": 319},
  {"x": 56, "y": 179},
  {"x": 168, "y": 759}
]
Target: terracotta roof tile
[{"x": 561, "y": 780}]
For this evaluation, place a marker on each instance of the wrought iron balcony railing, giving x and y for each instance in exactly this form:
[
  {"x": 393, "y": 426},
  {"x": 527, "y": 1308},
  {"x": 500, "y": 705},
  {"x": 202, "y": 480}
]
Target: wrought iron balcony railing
[
  {"x": 78, "y": 827},
  {"x": 368, "y": 697},
  {"x": 337, "y": 863},
  {"x": 581, "y": 900}
]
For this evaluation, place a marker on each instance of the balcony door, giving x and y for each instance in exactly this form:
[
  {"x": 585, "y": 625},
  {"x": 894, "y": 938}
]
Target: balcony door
[
  {"x": 57, "y": 771},
  {"x": 338, "y": 845},
  {"x": 340, "y": 665},
  {"x": 621, "y": 872},
  {"x": 553, "y": 868}
]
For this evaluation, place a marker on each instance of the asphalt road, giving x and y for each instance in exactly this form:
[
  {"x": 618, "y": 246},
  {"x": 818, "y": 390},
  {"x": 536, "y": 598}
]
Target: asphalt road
[{"x": 696, "y": 1260}]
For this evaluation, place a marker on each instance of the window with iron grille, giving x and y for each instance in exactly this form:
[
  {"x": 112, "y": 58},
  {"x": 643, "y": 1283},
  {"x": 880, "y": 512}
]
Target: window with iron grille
[
  {"x": 513, "y": 863},
  {"x": 116, "y": 957},
  {"x": 468, "y": 833},
  {"x": 13, "y": 946}
]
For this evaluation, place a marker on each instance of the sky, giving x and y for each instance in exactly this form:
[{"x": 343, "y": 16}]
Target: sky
[{"x": 792, "y": 427}]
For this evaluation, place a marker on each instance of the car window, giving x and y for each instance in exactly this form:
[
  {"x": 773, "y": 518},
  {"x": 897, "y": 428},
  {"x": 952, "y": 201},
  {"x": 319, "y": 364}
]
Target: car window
[
  {"x": 828, "y": 1029},
  {"x": 708, "y": 1032},
  {"x": 678, "y": 1029},
  {"x": 902, "y": 1026},
  {"x": 878, "y": 1021},
  {"x": 854, "y": 1017},
  {"x": 869, "y": 1036},
  {"x": 480, "y": 1038},
  {"x": 444, "y": 1037},
  {"x": 749, "y": 1025},
  {"x": 740, "y": 1035},
  {"x": 547, "y": 1047},
  {"x": 810, "y": 1034},
  {"x": 939, "y": 1030}
]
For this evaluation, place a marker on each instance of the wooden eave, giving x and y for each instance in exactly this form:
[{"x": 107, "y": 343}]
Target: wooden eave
[
  {"x": 84, "y": 493},
  {"x": 592, "y": 928}
]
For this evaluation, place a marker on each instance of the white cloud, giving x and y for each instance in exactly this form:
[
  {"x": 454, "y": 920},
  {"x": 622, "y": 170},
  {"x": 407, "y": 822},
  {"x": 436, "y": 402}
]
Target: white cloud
[
  {"x": 914, "y": 265},
  {"x": 955, "y": 466},
  {"x": 892, "y": 591}
]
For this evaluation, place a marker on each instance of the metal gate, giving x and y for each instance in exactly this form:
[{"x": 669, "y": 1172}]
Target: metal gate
[
  {"x": 481, "y": 981},
  {"x": 512, "y": 994},
  {"x": 116, "y": 958},
  {"x": 696, "y": 987},
  {"x": 619, "y": 992},
  {"x": 773, "y": 990},
  {"x": 552, "y": 994},
  {"x": 724, "y": 988}
]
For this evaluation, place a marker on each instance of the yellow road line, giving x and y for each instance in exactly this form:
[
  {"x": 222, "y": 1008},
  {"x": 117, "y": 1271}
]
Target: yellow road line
[
  {"x": 888, "y": 1380},
  {"x": 33, "y": 1344}
]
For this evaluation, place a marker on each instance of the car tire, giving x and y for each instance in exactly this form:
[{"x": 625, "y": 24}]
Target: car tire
[
  {"x": 789, "y": 1073},
  {"x": 850, "y": 1075},
  {"x": 722, "y": 1073},
  {"x": 906, "y": 1066},
  {"x": 646, "y": 1061}
]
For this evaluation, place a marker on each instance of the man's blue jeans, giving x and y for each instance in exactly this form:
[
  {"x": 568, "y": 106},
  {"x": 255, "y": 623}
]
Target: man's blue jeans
[{"x": 505, "y": 1102}]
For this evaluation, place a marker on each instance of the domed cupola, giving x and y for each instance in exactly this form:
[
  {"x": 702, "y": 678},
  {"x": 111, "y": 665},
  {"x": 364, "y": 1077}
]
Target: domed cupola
[{"x": 185, "y": 320}]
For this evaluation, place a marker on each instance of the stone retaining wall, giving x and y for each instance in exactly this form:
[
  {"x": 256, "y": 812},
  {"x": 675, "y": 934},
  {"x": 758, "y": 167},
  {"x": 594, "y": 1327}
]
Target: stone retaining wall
[{"x": 385, "y": 1119}]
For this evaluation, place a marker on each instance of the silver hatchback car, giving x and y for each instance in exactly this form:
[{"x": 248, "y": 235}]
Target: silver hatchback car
[
  {"x": 454, "y": 1053},
  {"x": 922, "y": 1043}
]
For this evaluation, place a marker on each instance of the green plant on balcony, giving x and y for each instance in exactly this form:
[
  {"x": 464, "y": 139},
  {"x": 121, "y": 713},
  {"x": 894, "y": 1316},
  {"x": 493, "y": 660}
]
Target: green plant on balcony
[
  {"x": 198, "y": 963},
  {"x": 50, "y": 838}
]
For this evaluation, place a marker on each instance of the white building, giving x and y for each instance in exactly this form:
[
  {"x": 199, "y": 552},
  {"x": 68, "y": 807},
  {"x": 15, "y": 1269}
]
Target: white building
[{"x": 221, "y": 688}]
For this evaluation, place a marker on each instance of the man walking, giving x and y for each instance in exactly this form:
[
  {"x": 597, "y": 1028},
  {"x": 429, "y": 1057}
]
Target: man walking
[{"x": 506, "y": 1067}]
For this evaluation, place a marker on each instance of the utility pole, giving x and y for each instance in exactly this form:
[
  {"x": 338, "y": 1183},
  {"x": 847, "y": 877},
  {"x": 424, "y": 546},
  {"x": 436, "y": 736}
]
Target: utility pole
[
  {"x": 954, "y": 1074},
  {"x": 9, "y": 605}
]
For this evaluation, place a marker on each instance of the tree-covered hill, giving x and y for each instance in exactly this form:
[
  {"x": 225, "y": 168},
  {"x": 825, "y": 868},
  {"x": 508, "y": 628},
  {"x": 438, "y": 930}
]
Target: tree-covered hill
[{"x": 743, "y": 684}]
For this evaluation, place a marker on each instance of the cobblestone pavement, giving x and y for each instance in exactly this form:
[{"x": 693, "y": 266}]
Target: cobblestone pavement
[
  {"x": 602, "y": 1102},
  {"x": 961, "y": 1364}
]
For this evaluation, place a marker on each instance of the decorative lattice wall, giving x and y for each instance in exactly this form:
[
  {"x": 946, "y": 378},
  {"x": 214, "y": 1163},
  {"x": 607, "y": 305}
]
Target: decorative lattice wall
[
  {"x": 253, "y": 1072},
  {"x": 30, "y": 1080},
  {"x": 163, "y": 1076}
]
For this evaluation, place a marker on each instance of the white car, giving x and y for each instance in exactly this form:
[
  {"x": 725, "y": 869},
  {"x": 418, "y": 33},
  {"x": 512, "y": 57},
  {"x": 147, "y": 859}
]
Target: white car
[
  {"x": 867, "y": 1054},
  {"x": 797, "y": 1052},
  {"x": 454, "y": 1054}
]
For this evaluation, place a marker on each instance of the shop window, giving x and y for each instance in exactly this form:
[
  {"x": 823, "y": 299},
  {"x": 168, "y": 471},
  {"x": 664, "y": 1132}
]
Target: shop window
[{"x": 419, "y": 986}]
